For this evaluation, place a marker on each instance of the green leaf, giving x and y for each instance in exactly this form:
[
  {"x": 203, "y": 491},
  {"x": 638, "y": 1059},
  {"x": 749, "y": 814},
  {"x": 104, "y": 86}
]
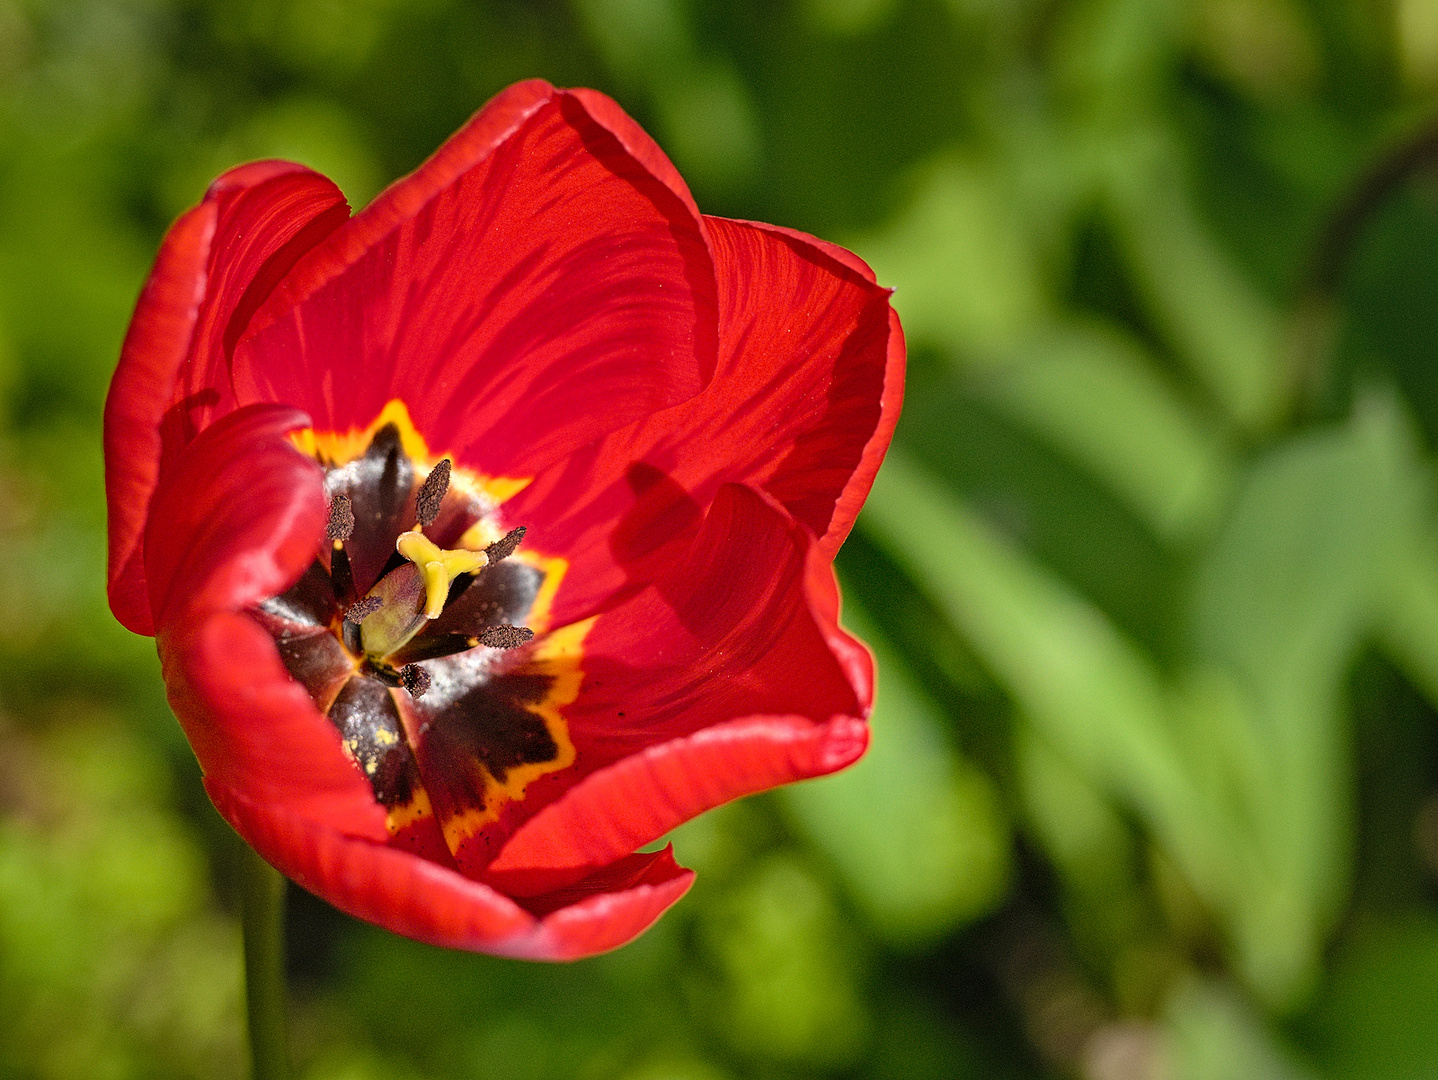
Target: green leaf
[
  {"x": 1113, "y": 52},
  {"x": 1090, "y": 693},
  {"x": 960, "y": 260},
  {"x": 1408, "y": 614},
  {"x": 784, "y": 974},
  {"x": 1375, "y": 1021},
  {"x": 1281, "y": 604},
  {"x": 1213, "y": 1034},
  {"x": 1093, "y": 393},
  {"x": 1317, "y": 528},
  {"x": 1238, "y": 766},
  {"x": 1226, "y": 332},
  {"x": 913, "y": 829},
  {"x": 1094, "y": 694},
  {"x": 1077, "y": 825}
]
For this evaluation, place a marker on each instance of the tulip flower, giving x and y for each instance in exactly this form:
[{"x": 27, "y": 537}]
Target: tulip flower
[{"x": 487, "y": 534}]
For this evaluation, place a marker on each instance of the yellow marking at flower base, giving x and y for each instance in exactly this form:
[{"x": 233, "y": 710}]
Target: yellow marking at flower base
[
  {"x": 338, "y": 448},
  {"x": 383, "y": 737},
  {"x": 481, "y": 534},
  {"x": 557, "y": 656},
  {"x": 553, "y": 568},
  {"x": 418, "y": 807}
]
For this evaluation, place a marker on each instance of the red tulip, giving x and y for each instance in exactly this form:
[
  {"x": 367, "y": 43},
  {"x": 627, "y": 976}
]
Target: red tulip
[{"x": 685, "y": 413}]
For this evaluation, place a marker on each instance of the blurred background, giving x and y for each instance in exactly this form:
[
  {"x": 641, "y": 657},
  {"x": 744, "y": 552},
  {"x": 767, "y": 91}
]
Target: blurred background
[{"x": 1152, "y": 574}]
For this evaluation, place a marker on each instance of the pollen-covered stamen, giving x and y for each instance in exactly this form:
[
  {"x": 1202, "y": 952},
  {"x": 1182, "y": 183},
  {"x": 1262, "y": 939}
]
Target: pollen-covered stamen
[
  {"x": 338, "y": 529},
  {"x": 431, "y": 494},
  {"x": 341, "y": 525},
  {"x": 506, "y": 545},
  {"x": 415, "y": 679},
  {"x": 359, "y": 627},
  {"x": 505, "y": 637},
  {"x": 362, "y": 609}
]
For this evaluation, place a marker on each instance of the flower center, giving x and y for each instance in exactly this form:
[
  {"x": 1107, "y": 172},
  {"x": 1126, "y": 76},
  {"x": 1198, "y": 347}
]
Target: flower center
[
  {"x": 413, "y": 594},
  {"x": 406, "y": 632}
]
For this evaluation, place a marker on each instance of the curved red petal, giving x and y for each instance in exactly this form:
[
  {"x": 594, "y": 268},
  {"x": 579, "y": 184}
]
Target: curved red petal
[
  {"x": 624, "y": 873},
  {"x": 403, "y": 200},
  {"x": 155, "y": 346},
  {"x": 849, "y": 330},
  {"x": 430, "y": 903},
  {"x": 215, "y": 266},
  {"x": 607, "y": 920},
  {"x": 803, "y": 405},
  {"x": 734, "y": 629},
  {"x": 637, "y": 142},
  {"x": 254, "y": 729},
  {"x": 533, "y": 267},
  {"x": 642, "y": 797},
  {"x": 821, "y": 590},
  {"x": 236, "y": 519},
  {"x": 834, "y": 251},
  {"x": 856, "y": 490},
  {"x": 740, "y": 639}
]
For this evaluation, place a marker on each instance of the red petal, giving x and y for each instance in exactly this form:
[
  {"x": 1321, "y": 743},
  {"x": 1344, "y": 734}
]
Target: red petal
[
  {"x": 430, "y": 903},
  {"x": 638, "y": 868},
  {"x": 215, "y": 265},
  {"x": 741, "y": 626},
  {"x": 851, "y": 498},
  {"x": 728, "y": 677},
  {"x": 637, "y": 142},
  {"x": 158, "y": 339},
  {"x": 538, "y": 264},
  {"x": 803, "y": 405},
  {"x": 836, "y": 320},
  {"x": 642, "y": 797},
  {"x": 254, "y": 729},
  {"x": 834, "y": 251},
  {"x": 607, "y": 920},
  {"x": 236, "y": 519}
]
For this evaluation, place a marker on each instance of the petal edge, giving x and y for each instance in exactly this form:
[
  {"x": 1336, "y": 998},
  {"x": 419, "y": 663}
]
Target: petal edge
[
  {"x": 432, "y": 904},
  {"x": 640, "y": 798}
]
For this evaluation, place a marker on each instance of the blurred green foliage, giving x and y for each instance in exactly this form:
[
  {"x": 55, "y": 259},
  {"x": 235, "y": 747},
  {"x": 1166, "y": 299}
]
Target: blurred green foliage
[{"x": 1152, "y": 576}]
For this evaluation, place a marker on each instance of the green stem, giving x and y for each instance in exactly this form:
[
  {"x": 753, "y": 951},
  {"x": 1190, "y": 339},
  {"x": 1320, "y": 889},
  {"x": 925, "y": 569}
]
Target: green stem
[{"x": 264, "y": 925}]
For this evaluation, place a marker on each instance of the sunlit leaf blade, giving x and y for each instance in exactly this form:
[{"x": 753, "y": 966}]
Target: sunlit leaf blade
[
  {"x": 1214, "y": 1034},
  {"x": 1078, "y": 826},
  {"x": 1319, "y": 524},
  {"x": 1092, "y": 694},
  {"x": 1236, "y": 766},
  {"x": 1090, "y": 690},
  {"x": 1408, "y": 615},
  {"x": 1093, "y": 393},
  {"x": 1281, "y": 603},
  {"x": 1213, "y": 317},
  {"x": 965, "y": 275}
]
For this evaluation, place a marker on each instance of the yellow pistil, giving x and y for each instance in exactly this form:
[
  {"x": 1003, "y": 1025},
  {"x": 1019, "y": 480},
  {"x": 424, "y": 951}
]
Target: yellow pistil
[{"x": 438, "y": 567}]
